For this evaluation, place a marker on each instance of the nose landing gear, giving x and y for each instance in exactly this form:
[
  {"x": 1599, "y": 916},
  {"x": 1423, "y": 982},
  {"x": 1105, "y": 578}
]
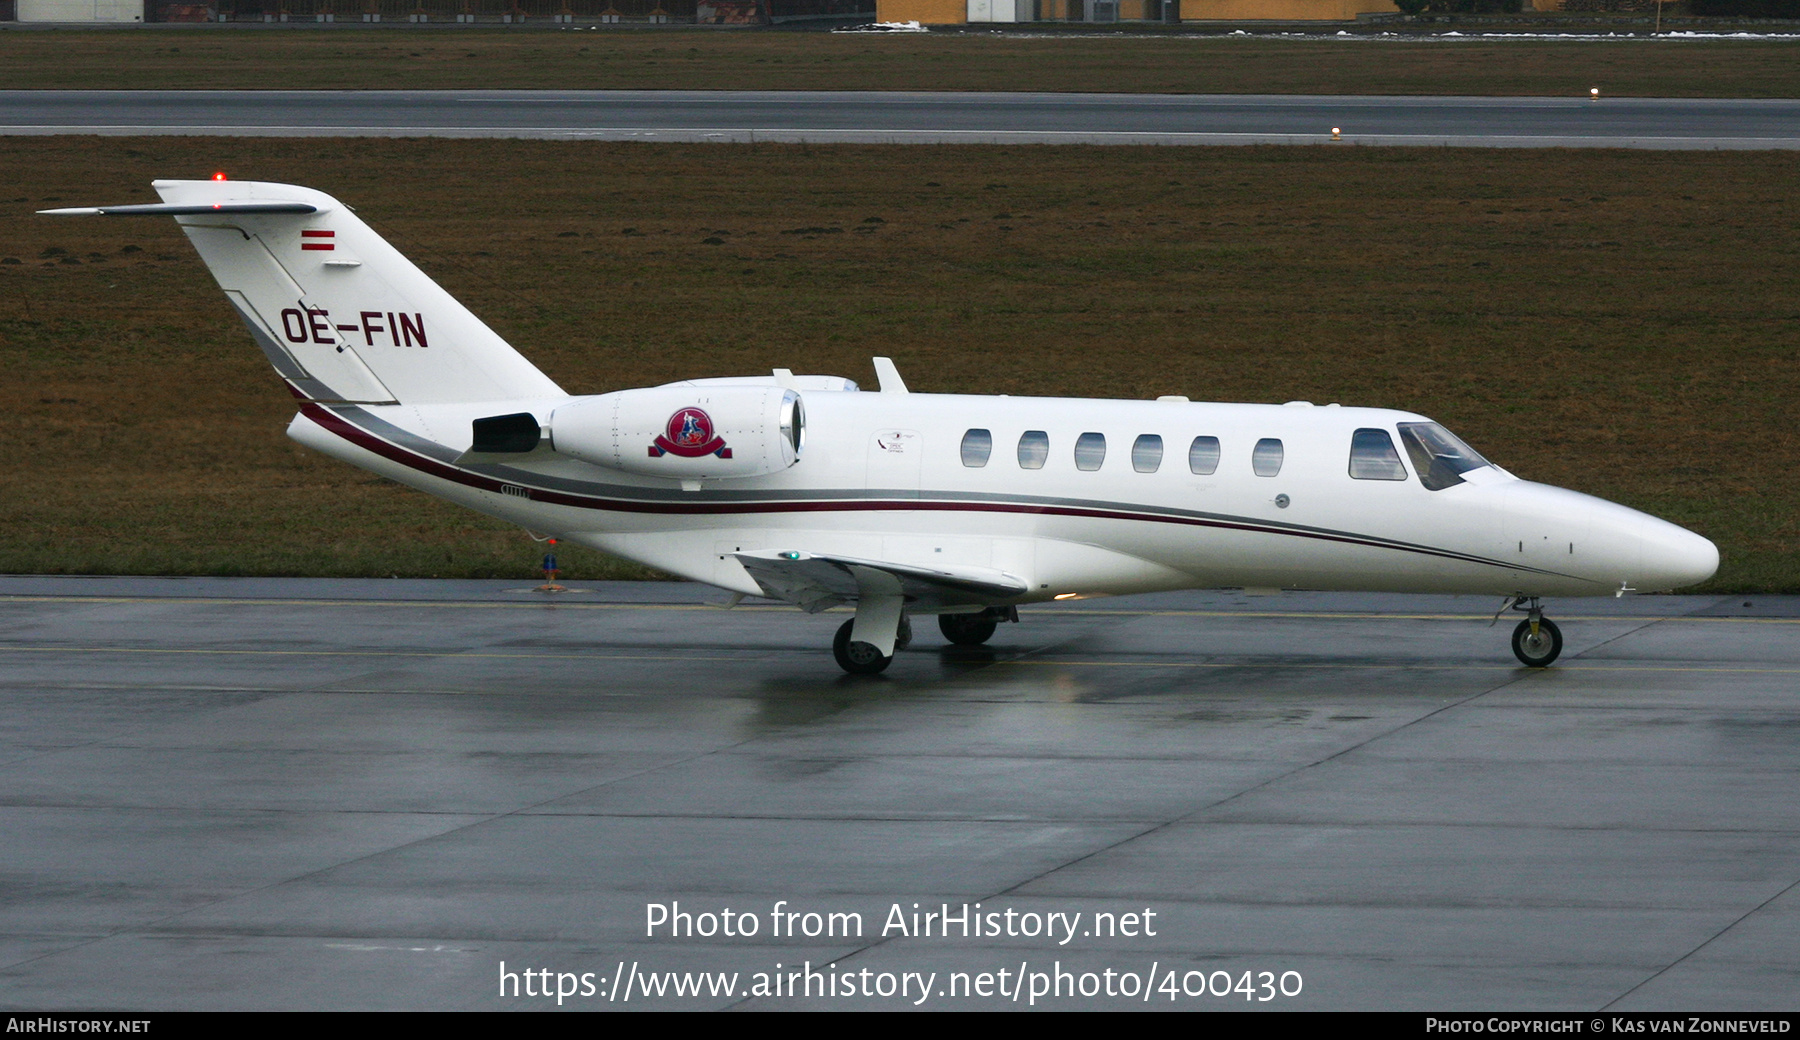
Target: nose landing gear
[{"x": 1536, "y": 641}]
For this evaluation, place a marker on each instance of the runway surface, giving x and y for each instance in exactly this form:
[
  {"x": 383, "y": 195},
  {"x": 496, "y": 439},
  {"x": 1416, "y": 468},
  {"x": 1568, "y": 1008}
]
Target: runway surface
[
  {"x": 924, "y": 118},
  {"x": 224, "y": 793}
]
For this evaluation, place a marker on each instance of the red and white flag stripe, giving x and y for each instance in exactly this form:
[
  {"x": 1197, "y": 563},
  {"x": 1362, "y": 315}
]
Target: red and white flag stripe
[{"x": 327, "y": 236}]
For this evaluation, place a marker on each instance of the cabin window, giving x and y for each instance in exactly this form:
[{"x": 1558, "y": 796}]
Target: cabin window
[
  {"x": 1034, "y": 448},
  {"x": 1266, "y": 459},
  {"x": 1146, "y": 453},
  {"x": 976, "y": 446},
  {"x": 1439, "y": 457},
  {"x": 1203, "y": 456},
  {"x": 1090, "y": 451},
  {"x": 1372, "y": 456}
]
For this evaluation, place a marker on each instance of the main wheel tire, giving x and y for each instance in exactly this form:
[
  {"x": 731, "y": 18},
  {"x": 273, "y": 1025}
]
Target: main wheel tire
[
  {"x": 857, "y": 658},
  {"x": 967, "y": 629},
  {"x": 1539, "y": 650}
]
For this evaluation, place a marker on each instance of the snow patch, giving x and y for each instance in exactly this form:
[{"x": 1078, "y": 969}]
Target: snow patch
[{"x": 884, "y": 27}]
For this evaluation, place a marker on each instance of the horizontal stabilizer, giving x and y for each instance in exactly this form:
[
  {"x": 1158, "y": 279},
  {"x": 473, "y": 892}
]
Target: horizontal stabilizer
[
  {"x": 816, "y": 582},
  {"x": 174, "y": 209}
]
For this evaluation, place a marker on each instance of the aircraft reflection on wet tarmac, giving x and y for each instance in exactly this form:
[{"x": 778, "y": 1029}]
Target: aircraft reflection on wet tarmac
[{"x": 369, "y": 794}]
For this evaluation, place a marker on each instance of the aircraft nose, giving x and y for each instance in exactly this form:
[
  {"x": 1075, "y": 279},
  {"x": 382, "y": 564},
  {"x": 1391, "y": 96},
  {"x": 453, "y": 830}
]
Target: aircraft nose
[{"x": 1675, "y": 556}]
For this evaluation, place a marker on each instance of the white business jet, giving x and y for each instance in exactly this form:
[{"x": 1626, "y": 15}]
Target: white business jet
[{"x": 805, "y": 489}]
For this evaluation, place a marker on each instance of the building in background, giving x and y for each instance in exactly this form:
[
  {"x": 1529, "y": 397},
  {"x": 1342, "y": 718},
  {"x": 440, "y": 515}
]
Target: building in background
[
  {"x": 75, "y": 11},
  {"x": 960, "y": 12},
  {"x": 590, "y": 12},
  {"x": 720, "y": 12}
]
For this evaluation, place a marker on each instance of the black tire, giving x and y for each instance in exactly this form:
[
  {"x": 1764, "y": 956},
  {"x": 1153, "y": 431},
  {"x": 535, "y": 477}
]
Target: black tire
[
  {"x": 1538, "y": 652},
  {"x": 967, "y": 629},
  {"x": 857, "y": 658}
]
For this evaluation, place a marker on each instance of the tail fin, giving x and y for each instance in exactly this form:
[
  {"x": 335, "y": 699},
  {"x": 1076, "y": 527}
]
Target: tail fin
[{"x": 340, "y": 313}]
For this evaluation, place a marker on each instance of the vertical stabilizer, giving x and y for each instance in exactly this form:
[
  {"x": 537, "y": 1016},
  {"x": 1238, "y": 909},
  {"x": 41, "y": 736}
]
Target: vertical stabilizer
[{"x": 340, "y": 313}]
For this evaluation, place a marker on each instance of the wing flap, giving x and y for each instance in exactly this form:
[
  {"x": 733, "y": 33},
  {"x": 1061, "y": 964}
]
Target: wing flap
[{"x": 817, "y": 581}]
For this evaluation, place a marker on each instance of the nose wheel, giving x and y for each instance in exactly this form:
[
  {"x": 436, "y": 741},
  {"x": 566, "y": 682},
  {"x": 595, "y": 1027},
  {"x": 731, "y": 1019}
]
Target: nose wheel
[{"x": 1537, "y": 641}]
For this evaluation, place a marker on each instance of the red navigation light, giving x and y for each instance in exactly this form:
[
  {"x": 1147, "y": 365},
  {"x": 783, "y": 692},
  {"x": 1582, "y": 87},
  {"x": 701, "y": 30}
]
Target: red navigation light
[{"x": 219, "y": 176}]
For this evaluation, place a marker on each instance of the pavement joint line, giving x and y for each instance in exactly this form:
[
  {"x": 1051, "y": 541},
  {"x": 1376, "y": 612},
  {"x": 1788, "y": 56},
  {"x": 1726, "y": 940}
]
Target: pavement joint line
[
  {"x": 1169, "y": 822},
  {"x": 144, "y": 926},
  {"x": 465, "y": 655},
  {"x": 1632, "y": 631},
  {"x": 475, "y": 819},
  {"x": 1741, "y": 918},
  {"x": 1141, "y": 828},
  {"x": 1190, "y": 817}
]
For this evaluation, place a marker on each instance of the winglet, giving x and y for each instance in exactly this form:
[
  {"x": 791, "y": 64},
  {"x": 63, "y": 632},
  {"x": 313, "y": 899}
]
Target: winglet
[{"x": 888, "y": 376}]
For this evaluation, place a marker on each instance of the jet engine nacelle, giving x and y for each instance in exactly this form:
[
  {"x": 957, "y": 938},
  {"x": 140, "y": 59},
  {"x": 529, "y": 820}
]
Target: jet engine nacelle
[{"x": 684, "y": 432}]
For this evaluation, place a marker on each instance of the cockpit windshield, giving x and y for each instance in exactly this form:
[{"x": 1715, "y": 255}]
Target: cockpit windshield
[{"x": 1437, "y": 455}]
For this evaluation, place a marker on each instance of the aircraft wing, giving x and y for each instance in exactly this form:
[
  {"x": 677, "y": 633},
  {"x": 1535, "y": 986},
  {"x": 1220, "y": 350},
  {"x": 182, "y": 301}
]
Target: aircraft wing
[{"x": 816, "y": 582}]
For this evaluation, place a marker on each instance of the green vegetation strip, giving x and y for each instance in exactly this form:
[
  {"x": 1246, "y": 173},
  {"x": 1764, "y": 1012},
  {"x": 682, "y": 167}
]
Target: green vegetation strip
[
  {"x": 1623, "y": 323},
  {"x": 442, "y": 58}
]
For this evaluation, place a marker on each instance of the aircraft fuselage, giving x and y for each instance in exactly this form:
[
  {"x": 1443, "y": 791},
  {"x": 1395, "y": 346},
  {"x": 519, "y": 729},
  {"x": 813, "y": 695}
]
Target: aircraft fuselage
[{"x": 883, "y": 476}]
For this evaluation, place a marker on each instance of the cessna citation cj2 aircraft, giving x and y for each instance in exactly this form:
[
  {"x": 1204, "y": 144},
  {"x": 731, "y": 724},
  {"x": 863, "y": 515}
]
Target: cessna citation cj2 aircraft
[{"x": 805, "y": 489}]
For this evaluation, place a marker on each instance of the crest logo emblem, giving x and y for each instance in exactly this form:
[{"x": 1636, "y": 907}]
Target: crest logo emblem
[{"x": 689, "y": 435}]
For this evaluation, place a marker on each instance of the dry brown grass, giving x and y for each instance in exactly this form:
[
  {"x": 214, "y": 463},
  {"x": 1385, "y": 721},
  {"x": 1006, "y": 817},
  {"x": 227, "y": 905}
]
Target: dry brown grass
[
  {"x": 344, "y": 59},
  {"x": 1623, "y": 323}
]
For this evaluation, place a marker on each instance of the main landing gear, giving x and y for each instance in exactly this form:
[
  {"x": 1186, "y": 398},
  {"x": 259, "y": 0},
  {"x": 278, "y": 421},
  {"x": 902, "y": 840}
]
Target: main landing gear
[
  {"x": 861, "y": 657},
  {"x": 967, "y": 629},
  {"x": 1536, "y": 641}
]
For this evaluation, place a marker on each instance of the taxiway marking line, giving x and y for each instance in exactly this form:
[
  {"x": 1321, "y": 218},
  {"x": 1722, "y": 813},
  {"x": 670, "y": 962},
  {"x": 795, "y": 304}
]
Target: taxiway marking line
[
  {"x": 769, "y": 607},
  {"x": 905, "y": 136},
  {"x": 455, "y": 604},
  {"x": 1563, "y": 667},
  {"x": 1376, "y": 615},
  {"x": 449, "y": 654}
]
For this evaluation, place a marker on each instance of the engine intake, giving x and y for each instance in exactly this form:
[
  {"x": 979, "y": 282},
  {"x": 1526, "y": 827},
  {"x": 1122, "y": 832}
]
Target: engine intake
[{"x": 506, "y": 434}]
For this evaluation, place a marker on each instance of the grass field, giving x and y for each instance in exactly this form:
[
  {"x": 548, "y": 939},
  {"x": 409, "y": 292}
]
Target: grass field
[
  {"x": 348, "y": 59},
  {"x": 1623, "y": 323}
]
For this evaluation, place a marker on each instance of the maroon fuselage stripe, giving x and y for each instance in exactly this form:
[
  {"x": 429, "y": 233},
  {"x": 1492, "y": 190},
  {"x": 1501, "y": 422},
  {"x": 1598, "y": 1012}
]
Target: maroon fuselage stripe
[{"x": 363, "y": 439}]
